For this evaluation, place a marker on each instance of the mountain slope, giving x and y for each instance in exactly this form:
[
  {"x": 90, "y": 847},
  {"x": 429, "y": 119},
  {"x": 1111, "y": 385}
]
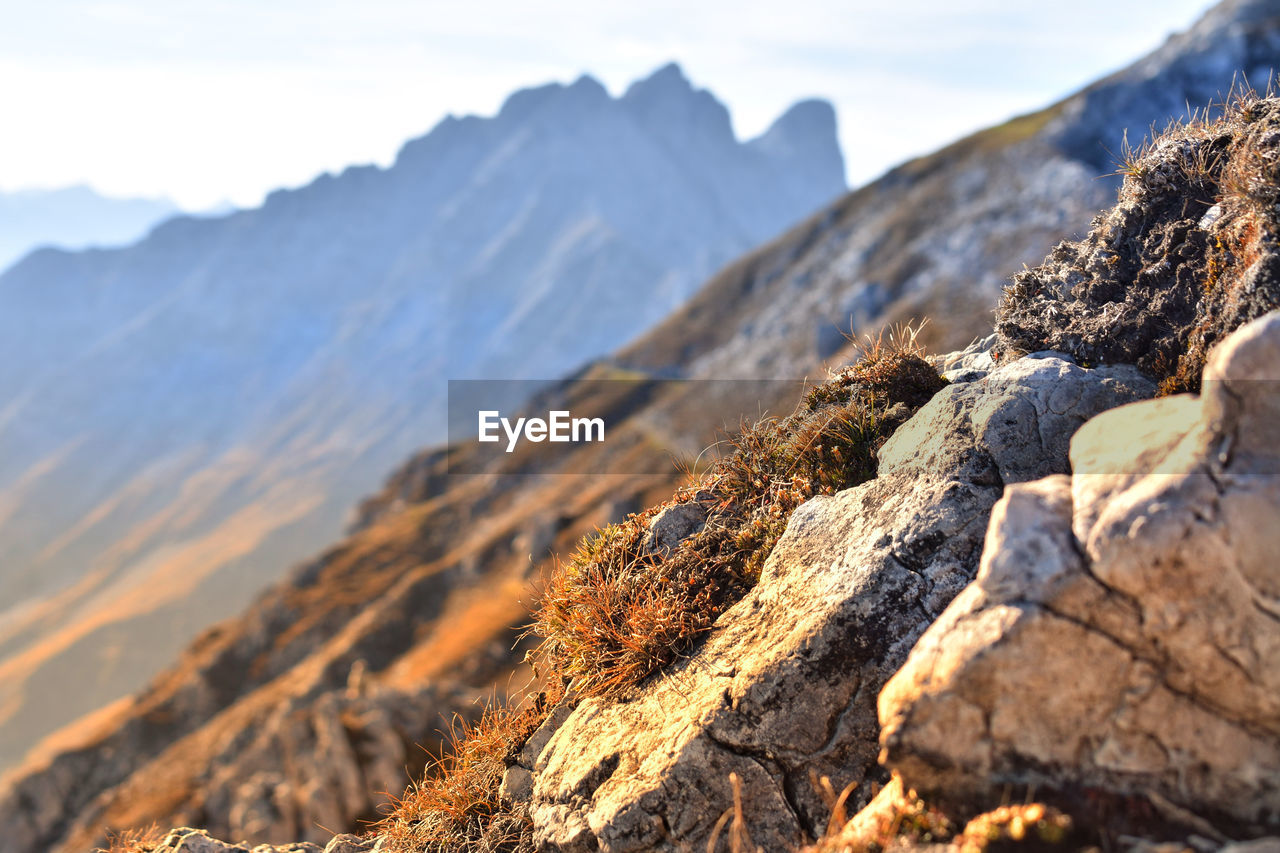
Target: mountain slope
[
  {"x": 938, "y": 236},
  {"x": 429, "y": 589},
  {"x": 193, "y": 413},
  {"x": 73, "y": 218}
]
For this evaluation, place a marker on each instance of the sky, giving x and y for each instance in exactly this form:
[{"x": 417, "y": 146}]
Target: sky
[{"x": 209, "y": 101}]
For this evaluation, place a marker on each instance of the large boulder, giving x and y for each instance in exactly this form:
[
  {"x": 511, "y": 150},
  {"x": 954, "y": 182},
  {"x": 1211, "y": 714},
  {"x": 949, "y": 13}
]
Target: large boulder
[
  {"x": 784, "y": 688},
  {"x": 1123, "y": 633}
]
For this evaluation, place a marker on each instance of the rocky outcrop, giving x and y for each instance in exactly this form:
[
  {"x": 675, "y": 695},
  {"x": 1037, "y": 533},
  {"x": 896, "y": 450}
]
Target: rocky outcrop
[
  {"x": 785, "y": 686},
  {"x": 293, "y": 774},
  {"x": 1123, "y": 633},
  {"x": 330, "y": 764},
  {"x": 435, "y": 557},
  {"x": 1184, "y": 257}
]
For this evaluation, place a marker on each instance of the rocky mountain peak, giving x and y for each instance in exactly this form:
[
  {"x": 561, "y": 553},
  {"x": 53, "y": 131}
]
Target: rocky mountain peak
[
  {"x": 804, "y": 138},
  {"x": 584, "y": 94},
  {"x": 666, "y": 99},
  {"x": 667, "y": 82},
  {"x": 1234, "y": 43}
]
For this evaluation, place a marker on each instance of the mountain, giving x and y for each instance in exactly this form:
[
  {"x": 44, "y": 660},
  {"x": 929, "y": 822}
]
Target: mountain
[
  {"x": 938, "y": 236},
  {"x": 185, "y": 417},
  {"x": 73, "y": 218},
  {"x": 358, "y": 654}
]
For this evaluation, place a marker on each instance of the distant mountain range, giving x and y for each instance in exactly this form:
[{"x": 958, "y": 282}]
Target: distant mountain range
[
  {"x": 73, "y": 218},
  {"x": 182, "y": 419}
]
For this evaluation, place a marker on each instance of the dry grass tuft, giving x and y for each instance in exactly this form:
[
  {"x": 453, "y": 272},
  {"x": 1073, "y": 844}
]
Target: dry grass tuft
[
  {"x": 894, "y": 819},
  {"x": 455, "y": 806},
  {"x": 738, "y": 839},
  {"x": 616, "y": 611},
  {"x": 133, "y": 841}
]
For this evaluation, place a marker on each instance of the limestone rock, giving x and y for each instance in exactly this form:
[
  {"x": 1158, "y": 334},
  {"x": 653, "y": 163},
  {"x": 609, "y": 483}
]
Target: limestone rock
[
  {"x": 348, "y": 843},
  {"x": 517, "y": 781},
  {"x": 973, "y": 362},
  {"x": 1123, "y": 632},
  {"x": 186, "y": 840},
  {"x": 673, "y": 525},
  {"x": 786, "y": 683}
]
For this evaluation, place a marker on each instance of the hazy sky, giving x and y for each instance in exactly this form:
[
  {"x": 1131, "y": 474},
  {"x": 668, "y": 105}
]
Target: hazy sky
[{"x": 206, "y": 100}]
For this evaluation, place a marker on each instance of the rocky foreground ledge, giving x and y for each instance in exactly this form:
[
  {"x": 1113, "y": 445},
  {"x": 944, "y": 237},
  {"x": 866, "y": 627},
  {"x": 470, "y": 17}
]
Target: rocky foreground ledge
[
  {"x": 786, "y": 686},
  {"x": 1112, "y": 633}
]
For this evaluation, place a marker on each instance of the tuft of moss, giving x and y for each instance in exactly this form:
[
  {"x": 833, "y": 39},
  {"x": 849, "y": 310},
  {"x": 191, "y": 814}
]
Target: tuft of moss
[
  {"x": 1188, "y": 253},
  {"x": 1033, "y": 825},
  {"x": 616, "y": 612},
  {"x": 906, "y": 821}
]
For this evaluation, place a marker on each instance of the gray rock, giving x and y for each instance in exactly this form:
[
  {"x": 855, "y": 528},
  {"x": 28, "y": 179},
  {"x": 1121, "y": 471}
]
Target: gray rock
[
  {"x": 516, "y": 787},
  {"x": 969, "y": 364},
  {"x": 1123, "y": 632},
  {"x": 187, "y": 840},
  {"x": 786, "y": 683},
  {"x": 517, "y": 782},
  {"x": 348, "y": 843},
  {"x": 672, "y": 526}
]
